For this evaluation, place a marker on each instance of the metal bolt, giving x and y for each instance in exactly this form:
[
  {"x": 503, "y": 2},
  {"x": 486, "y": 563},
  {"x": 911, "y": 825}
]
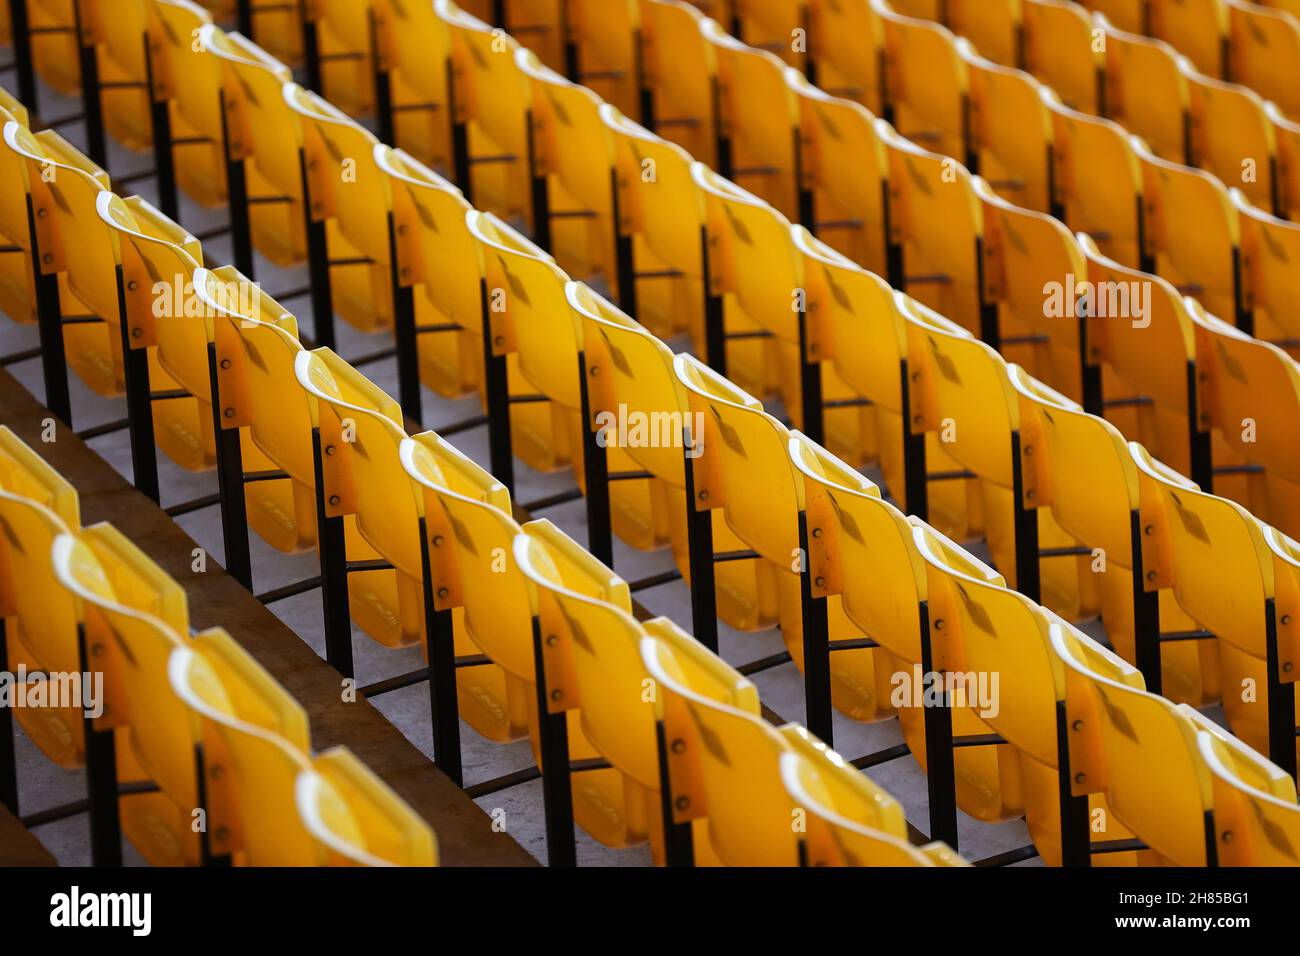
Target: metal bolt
[
  {"x": 334, "y": 499},
  {"x": 97, "y": 649},
  {"x": 1288, "y": 667},
  {"x": 229, "y": 413},
  {"x": 1286, "y": 619},
  {"x": 679, "y": 746},
  {"x": 136, "y": 333},
  {"x": 401, "y": 230},
  {"x": 681, "y": 803},
  {"x": 551, "y": 640},
  {"x": 498, "y": 340},
  {"x": 217, "y": 771},
  {"x": 1227, "y": 836},
  {"x": 704, "y": 496},
  {"x": 1029, "y": 449},
  {"x": 939, "y": 624},
  {"x": 437, "y": 541},
  {"x": 442, "y": 592},
  {"x": 1030, "y": 495},
  {"x": 557, "y": 695},
  {"x": 1077, "y": 725},
  {"x": 1149, "y": 529},
  {"x": 42, "y": 213},
  {"x": 595, "y": 370},
  {"x": 225, "y": 363},
  {"x": 817, "y": 532},
  {"x": 406, "y": 273},
  {"x": 47, "y": 258},
  {"x": 329, "y": 449},
  {"x": 821, "y": 582},
  {"x": 1080, "y": 777},
  {"x": 1151, "y": 575},
  {"x": 133, "y": 285}
]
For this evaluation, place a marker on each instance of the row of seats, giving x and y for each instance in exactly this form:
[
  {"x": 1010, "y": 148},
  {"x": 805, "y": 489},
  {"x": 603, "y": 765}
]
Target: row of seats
[
  {"x": 227, "y": 749},
  {"x": 685, "y": 372}
]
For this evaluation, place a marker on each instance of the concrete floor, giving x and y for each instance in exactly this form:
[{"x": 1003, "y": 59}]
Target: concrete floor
[{"x": 42, "y": 785}]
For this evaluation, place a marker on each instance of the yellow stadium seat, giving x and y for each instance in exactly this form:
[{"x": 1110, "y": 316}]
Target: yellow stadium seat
[
  {"x": 1133, "y": 318},
  {"x": 1286, "y": 133},
  {"x": 536, "y": 24},
  {"x": 134, "y": 616},
  {"x": 606, "y": 35},
  {"x": 968, "y": 400},
  {"x": 255, "y": 343},
  {"x": 1083, "y": 472},
  {"x": 277, "y": 28},
  {"x": 1061, "y": 50},
  {"x": 348, "y": 201},
  {"x": 739, "y": 441},
  {"x": 188, "y": 78},
  {"x": 866, "y": 554},
  {"x": 1192, "y": 234},
  {"x": 1097, "y": 181},
  {"x": 847, "y": 52},
  {"x": 343, "y": 39},
  {"x": 848, "y": 818},
  {"x": 928, "y": 82},
  {"x": 1256, "y": 820},
  {"x": 994, "y": 26},
  {"x": 55, "y": 44},
  {"x": 59, "y": 186},
  {"x": 779, "y": 27},
  {"x": 37, "y": 506},
  {"x": 262, "y": 140},
  {"x": 1196, "y": 28},
  {"x": 437, "y": 255},
  {"x": 844, "y": 174},
  {"x": 355, "y": 819},
  {"x": 986, "y": 629},
  {"x": 1264, "y": 53},
  {"x": 681, "y": 71},
  {"x": 627, "y": 367},
  {"x": 118, "y": 32},
  {"x": 1270, "y": 248},
  {"x": 490, "y": 101},
  {"x": 754, "y": 269},
  {"x": 1129, "y": 15},
  {"x": 1028, "y": 255},
  {"x": 532, "y": 331},
  {"x": 1231, "y": 137},
  {"x": 1139, "y": 750},
  {"x": 255, "y": 741},
  {"x": 936, "y": 232},
  {"x": 573, "y": 156},
  {"x": 1010, "y": 131},
  {"x": 758, "y": 120},
  {"x": 1252, "y": 401},
  {"x": 713, "y": 713},
  {"x": 413, "y": 48},
  {"x": 1213, "y": 554},
  {"x": 661, "y": 217},
  {"x": 1146, "y": 92}
]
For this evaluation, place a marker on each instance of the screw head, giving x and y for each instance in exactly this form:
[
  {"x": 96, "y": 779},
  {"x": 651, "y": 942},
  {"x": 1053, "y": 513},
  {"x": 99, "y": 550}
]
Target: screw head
[
  {"x": 1288, "y": 667},
  {"x": 442, "y": 592},
  {"x": 229, "y": 413},
  {"x": 678, "y": 746},
  {"x": 704, "y": 496},
  {"x": 1077, "y": 725},
  {"x": 820, "y": 582},
  {"x": 817, "y": 532},
  {"x": 1286, "y": 619},
  {"x": 136, "y": 333},
  {"x": 437, "y": 541},
  {"x": 334, "y": 499},
  {"x": 1227, "y": 836},
  {"x": 329, "y": 449},
  {"x": 551, "y": 640},
  {"x": 1151, "y": 575},
  {"x": 47, "y": 258},
  {"x": 681, "y": 803},
  {"x": 557, "y": 695},
  {"x": 940, "y": 624},
  {"x": 225, "y": 363},
  {"x": 133, "y": 285},
  {"x": 1080, "y": 777},
  {"x": 498, "y": 340},
  {"x": 42, "y": 213}
]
